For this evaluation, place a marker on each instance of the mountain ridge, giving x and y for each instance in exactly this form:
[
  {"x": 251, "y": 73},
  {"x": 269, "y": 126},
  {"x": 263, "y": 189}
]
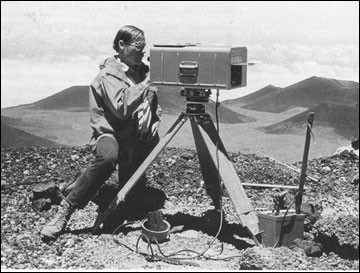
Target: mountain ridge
[
  {"x": 306, "y": 93},
  {"x": 344, "y": 119},
  {"x": 76, "y": 99},
  {"x": 68, "y": 123}
]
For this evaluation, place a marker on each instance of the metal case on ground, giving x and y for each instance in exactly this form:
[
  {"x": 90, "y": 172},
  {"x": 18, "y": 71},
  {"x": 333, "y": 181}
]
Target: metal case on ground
[{"x": 278, "y": 230}]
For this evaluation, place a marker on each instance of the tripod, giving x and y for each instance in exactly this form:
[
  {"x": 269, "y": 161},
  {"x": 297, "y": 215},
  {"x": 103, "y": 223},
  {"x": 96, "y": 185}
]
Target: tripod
[{"x": 214, "y": 163}]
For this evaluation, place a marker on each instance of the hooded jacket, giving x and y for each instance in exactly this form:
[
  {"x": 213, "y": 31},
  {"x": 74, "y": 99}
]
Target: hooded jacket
[{"x": 116, "y": 94}]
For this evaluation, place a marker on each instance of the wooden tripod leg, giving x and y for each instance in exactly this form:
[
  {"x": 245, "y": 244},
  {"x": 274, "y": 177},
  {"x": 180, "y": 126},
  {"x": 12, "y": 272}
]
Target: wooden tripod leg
[
  {"x": 120, "y": 197},
  {"x": 207, "y": 164},
  {"x": 206, "y": 137}
]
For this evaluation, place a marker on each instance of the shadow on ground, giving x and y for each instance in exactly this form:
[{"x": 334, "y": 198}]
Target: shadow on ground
[
  {"x": 149, "y": 199},
  {"x": 209, "y": 223}
]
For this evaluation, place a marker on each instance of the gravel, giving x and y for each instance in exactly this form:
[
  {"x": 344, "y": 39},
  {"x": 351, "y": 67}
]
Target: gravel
[{"x": 175, "y": 186}]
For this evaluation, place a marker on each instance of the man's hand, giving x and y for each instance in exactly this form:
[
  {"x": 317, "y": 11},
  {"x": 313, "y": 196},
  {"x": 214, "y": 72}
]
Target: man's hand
[{"x": 154, "y": 130}]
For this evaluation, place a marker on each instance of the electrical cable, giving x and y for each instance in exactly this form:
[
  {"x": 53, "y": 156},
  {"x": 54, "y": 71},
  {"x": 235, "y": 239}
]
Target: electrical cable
[
  {"x": 217, "y": 104},
  {"x": 124, "y": 224},
  {"x": 199, "y": 254},
  {"x": 220, "y": 201}
]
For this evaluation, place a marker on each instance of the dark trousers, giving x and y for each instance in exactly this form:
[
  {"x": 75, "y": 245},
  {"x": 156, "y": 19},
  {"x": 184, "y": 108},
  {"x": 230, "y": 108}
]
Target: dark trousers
[{"x": 90, "y": 183}]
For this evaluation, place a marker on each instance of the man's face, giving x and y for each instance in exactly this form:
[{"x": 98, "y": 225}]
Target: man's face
[{"x": 133, "y": 53}]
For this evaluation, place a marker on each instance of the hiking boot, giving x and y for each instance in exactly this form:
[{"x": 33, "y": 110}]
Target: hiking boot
[{"x": 58, "y": 224}]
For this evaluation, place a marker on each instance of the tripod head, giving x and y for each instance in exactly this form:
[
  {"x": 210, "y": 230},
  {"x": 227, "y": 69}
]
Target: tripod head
[{"x": 196, "y": 99}]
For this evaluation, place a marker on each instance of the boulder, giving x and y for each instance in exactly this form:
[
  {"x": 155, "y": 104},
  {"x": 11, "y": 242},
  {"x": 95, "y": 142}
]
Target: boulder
[
  {"x": 310, "y": 248},
  {"x": 346, "y": 149},
  {"x": 312, "y": 215},
  {"x": 328, "y": 213},
  {"x": 44, "y": 195}
]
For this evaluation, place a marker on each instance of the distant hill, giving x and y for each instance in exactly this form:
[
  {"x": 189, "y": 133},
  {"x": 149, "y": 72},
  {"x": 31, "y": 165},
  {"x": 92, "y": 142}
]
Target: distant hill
[
  {"x": 335, "y": 103},
  {"x": 64, "y": 116},
  {"x": 259, "y": 95},
  {"x": 344, "y": 119},
  {"x": 76, "y": 98},
  {"x": 12, "y": 137},
  {"x": 307, "y": 93}
]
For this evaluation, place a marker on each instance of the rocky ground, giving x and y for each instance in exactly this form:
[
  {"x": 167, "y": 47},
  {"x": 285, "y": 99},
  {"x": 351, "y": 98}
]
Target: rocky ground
[{"x": 331, "y": 238}]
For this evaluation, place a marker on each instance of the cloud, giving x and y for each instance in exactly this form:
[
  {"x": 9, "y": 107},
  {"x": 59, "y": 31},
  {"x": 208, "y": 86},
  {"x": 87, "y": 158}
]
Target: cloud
[
  {"x": 280, "y": 65},
  {"x": 283, "y": 64},
  {"x": 289, "y": 41},
  {"x": 69, "y": 28},
  {"x": 24, "y": 81},
  {"x": 338, "y": 61}
]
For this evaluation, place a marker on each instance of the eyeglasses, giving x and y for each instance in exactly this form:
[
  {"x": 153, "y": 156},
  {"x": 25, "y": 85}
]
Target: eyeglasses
[{"x": 139, "y": 46}]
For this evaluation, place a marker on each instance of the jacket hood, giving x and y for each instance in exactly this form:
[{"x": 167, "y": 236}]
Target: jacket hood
[{"x": 108, "y": 62}]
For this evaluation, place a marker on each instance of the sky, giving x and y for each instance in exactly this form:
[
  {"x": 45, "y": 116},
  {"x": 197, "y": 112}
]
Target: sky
[{"x": 48, "y": 46}]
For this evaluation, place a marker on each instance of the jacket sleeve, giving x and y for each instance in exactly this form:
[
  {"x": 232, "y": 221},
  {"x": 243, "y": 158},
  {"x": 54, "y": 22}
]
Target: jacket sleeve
[
  {"x": 121, "y": 98},
  {"x": 153, "y": 97}
]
